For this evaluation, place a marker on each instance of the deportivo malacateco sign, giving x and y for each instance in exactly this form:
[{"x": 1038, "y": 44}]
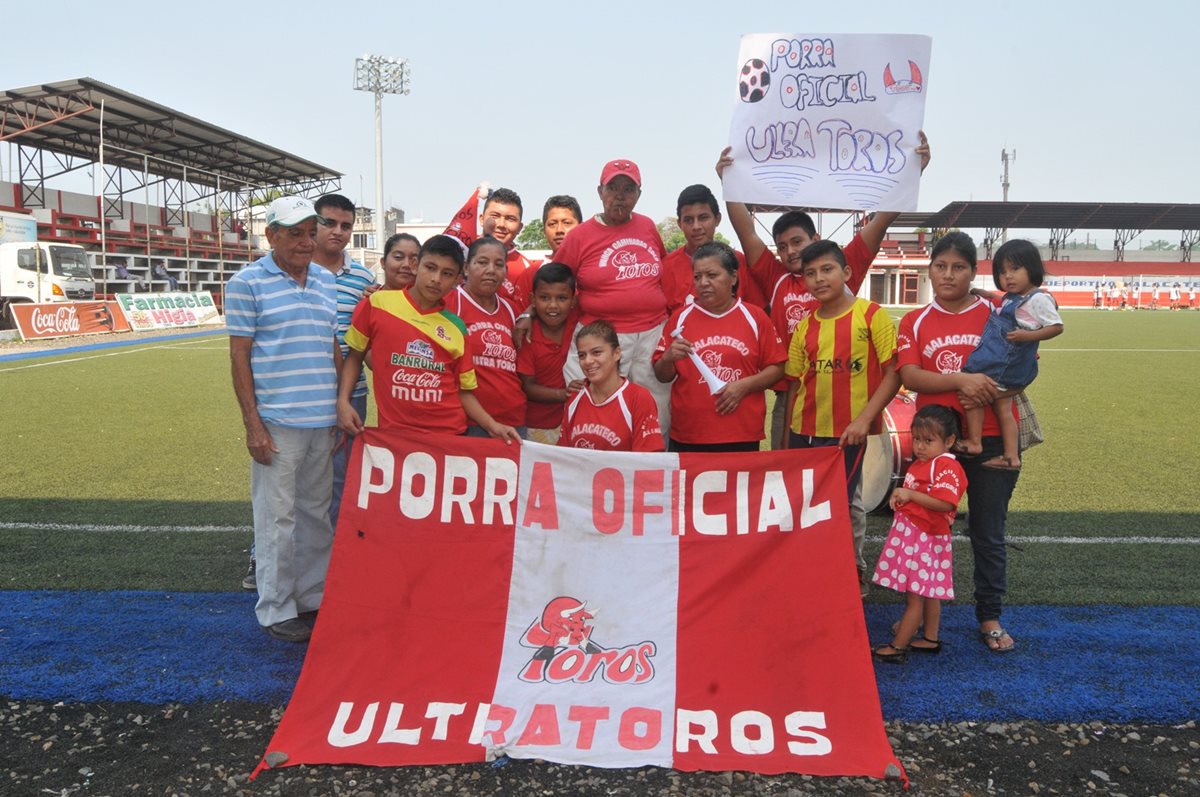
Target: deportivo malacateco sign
[{"x": 617, "y": 610}]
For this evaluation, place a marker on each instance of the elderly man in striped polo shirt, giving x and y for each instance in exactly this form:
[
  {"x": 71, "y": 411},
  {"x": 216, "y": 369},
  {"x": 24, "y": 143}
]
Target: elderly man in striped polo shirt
[
  {"x": 281, "y": 312},
  {"x": 353, "y": 279}
]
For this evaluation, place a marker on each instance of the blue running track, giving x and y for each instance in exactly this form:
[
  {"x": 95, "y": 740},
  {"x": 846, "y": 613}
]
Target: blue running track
[
  {"x": 106, "y": 344},
  {"x": 1107, "y": 663}
]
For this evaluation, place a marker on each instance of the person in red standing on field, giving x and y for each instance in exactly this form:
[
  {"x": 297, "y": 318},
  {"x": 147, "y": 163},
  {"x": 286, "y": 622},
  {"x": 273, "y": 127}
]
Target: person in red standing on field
[
  {"x": 501, "y": 219},
  {"x": 610, "y": 413},
  {"x": 736, "y": 343},
  {"x": 617, "y": 261},
  {"x": 699, "y": 215},
  {"x": 489, "y": 319},
  {"x": 540, "y": 361}
]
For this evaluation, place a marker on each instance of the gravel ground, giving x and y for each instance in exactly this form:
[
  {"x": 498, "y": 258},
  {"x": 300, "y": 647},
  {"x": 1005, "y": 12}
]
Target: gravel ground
[{"x": 132, "y": 749}]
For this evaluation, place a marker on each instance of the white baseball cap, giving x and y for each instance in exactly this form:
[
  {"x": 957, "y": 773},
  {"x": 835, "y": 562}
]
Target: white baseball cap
[{"x": 288, "y": 211}]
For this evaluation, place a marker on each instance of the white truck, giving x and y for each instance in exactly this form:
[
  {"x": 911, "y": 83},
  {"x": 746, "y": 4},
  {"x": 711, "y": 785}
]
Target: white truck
[{"x": 39, "y": 271}]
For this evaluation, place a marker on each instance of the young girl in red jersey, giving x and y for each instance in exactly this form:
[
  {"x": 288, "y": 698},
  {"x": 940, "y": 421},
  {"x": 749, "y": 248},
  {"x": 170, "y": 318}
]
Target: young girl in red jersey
[
  {"x": 917, "y": 557},
  {"x": 610, "y": 413},
  {"x": 489, "y": 319},
  {"x": 738, "y": 345}
]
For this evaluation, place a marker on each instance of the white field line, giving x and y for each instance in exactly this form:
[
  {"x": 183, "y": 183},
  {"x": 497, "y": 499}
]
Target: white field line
[
  {"x": 108, "y": 528},
  {"x": 1134, "y": 351},
  {"x": 1037, "y": 539},
  {"x": 95, "y": 356}
]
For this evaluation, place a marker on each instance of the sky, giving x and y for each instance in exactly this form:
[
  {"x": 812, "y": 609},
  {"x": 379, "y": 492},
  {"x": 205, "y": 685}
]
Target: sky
[{"x": 1098, "y": 99}]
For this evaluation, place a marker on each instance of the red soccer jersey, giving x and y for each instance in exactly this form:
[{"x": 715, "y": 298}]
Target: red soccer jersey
[
  {"x": 941, "y": 477},
  {"x": 735, "y": 344},
  {"x": 420, "y": 362},
  {"x": 618, "y": 271},
  {"x": 625, "y": 421},
  {"x": 512, "y": 290},
  {"x": 494, "y": 354},
  {"x": 678, "y": 281},
  {"x": 939, "y": 341},
  {"x": 543, "y": 359}
]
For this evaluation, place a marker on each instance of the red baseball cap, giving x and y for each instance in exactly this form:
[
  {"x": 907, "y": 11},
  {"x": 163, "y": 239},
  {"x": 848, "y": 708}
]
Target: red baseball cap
[{"x": 621, "y": 166}]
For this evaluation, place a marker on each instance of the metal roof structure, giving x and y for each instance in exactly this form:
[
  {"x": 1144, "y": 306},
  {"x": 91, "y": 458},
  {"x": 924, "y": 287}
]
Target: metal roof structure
[
  {"x": 1066, "y": 215},
  {"x": 70, "y": 119},
  {"x": 1127, "y": 220}
]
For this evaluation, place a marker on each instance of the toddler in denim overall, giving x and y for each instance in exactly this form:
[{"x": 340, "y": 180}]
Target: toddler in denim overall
[{"x": 1007, "y": 350}]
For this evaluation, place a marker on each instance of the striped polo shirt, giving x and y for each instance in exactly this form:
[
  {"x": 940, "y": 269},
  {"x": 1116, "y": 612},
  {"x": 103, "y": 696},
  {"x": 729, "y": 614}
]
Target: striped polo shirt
[
  {"x": 293, "y": 328},
  {"x": 352, "y": 279}
]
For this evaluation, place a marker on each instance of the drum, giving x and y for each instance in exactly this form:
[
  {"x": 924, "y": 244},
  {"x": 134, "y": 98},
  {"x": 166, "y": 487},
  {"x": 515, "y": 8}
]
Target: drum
[{"x": 889, "y": 454}]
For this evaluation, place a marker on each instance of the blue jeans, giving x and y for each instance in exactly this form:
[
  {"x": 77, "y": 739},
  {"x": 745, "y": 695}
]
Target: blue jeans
[
  {"x": 988, "y": 493},
  {"x": 341, "y": 455}
]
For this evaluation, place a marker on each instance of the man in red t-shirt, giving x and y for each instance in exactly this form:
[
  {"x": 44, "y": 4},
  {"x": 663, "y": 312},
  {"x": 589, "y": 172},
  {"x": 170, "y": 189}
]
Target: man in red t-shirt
[
  {"x": 501, "y": 219},
  {"x": 617, "y": 261},
  {"x": 699, "y": 215}
]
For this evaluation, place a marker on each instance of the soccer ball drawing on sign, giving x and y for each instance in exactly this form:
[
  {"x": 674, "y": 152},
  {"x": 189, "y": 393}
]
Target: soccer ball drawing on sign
[{"x": 754, "y": 80}]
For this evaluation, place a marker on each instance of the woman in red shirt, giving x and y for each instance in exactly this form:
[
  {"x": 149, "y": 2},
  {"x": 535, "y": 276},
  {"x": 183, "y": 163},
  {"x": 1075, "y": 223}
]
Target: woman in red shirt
[
  {"x": 489, "y": 319},
  {"x": 724, "y": 409},
  {"x": 932, "y": 345},
  {"x": 610, "y": 413}
]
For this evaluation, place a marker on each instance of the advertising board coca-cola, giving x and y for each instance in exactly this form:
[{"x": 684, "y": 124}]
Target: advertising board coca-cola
[{"x": 63, "y": 319}]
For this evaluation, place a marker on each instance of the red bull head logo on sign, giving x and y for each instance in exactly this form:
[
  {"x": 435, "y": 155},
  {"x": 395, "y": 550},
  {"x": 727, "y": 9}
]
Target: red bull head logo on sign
[
  {"x": 893, "y": 86},
  {"x": 565, "y": 652}
]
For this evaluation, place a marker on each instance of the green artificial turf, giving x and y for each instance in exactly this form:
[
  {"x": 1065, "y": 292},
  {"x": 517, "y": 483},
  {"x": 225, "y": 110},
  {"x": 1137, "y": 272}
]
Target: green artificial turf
[{"x": 151, "y": 436}]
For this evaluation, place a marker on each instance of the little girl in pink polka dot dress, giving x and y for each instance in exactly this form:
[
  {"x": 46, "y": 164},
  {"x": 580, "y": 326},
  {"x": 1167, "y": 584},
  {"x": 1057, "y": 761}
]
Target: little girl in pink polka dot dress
[{"x": 917, "y": 557}]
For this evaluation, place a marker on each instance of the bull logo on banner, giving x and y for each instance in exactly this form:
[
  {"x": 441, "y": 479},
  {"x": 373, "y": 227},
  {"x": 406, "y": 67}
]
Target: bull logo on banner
[{"x": 565, "y": 652}]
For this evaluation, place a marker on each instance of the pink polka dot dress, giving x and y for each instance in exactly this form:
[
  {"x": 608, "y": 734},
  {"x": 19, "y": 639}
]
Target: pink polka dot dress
[{"x": 917, "y": 556}]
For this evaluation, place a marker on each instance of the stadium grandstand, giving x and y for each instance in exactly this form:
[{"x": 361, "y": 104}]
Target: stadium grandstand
[{"x": 134, "y": 146}]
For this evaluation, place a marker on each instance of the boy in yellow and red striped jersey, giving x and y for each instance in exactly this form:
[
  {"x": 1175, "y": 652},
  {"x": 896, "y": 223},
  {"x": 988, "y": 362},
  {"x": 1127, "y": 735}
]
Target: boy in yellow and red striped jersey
[{"x": 841, "y": 366}]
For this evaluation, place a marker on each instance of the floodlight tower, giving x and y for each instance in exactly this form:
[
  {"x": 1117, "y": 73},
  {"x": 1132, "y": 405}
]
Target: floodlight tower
[
  {"x": 380, "y": 75},
  {"x": 1005, "y": 159}
]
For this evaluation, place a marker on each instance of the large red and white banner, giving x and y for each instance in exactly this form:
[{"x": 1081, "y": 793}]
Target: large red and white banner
[
  {"x": 64, "y": 319},
  {"x": 693, "y": 611}
]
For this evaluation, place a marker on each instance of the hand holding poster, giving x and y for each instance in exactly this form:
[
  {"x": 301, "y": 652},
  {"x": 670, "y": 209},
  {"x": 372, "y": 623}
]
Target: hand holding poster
[{"x": 828, "y": 120}]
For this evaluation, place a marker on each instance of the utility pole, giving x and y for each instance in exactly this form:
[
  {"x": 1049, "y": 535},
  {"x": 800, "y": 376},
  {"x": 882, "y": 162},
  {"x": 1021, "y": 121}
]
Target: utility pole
[
  {"x": 1005, "y": 159},
  {"x": 380, "y": 75}
]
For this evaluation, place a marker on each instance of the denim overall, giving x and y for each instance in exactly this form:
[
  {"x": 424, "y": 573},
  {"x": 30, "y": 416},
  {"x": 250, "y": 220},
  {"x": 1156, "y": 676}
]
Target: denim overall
[{"x": 1011, "y": 365}]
